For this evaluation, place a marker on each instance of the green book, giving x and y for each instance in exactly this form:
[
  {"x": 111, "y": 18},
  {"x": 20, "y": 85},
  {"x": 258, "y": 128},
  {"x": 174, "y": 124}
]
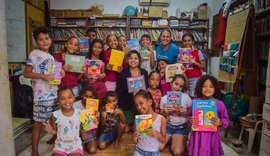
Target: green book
[{"x": 76, "y": 61}]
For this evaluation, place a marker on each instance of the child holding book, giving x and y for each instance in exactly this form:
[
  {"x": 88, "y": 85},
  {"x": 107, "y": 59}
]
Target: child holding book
[
  {"x": 177, "y": 126},
  {"x": 70, "y": 79},
  {"x": 203, "y": 143},
  {"x": 148, "y": 57},
  {"x": 111, "y": 75},
  {"x": 150, "y": 144},
  {"x": 196, "y": 62},
  {"x": 161, "y": 67},
  {"x": 153, "y": 89},
  {"x": 122, "y": 42},
  {"x": 45, "y": 94},
  {"x": 96, "y": 68},
  {"x": 90, "y": 136},
  {"x": 113, "y": 122},
  {"x": 66, "y": 125},
  {"x": 125, "y": 96}
]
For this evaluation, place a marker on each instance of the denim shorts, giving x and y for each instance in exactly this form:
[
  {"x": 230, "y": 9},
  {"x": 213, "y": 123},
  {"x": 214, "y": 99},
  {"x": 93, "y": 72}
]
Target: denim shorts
[
  {"x": 139, "y": 152},
  {"x": 91, "y": 136},
  {"x": 173, "y": 130},
  {"x": 109, "y": 136}
]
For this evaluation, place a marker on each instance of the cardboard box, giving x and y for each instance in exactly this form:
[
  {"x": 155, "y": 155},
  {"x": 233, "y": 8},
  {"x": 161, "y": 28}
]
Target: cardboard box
[
  {"x": 155, "y": 11},
  {"x": 164, "y": 14},
  {"x": 202, "y": 12}
]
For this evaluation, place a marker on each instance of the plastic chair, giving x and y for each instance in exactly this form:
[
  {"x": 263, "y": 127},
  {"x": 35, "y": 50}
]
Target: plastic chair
[{"x": 251, "y": 131}]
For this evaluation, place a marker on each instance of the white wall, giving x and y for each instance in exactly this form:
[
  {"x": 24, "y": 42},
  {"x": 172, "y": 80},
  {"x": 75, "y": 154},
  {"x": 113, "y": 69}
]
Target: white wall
[
  {"x": 15, "y": 20},
  {"x": 117, "y": 6}
]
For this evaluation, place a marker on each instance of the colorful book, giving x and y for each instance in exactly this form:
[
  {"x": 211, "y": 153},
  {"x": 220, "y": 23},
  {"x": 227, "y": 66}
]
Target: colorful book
[
  {"x": 203, "y": 111},
  {"x": 76, "y": 62},
  {"x": 87, "y": 118},
  {"x": 145, "y": 53},
  {"x": 134, "y": 44},
  {"x": 83, "y": 45},
  {"x": 144, "y": 124},
  {"x": 135, "y": 83},
  {"x": 93, "y": 67},
  {"x": 92, "y": 104},
  {"x": 116, "y": 58},
  {"x": 109, "y": 107},
  {"x": 171, "y": 70},
  {"x": 174, "y": 99},
  {"x": 55, "y": 70},
  {"x": 185, "y": 56}
]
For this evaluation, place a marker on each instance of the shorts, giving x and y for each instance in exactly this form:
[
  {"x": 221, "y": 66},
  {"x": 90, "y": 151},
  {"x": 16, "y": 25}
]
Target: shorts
[
  {"x": 91, "y": 136},
  {"x": 173, "y": 130},
  {"x": 42, "y": 110},
  {"x": 109, "y": 136},
  {"x": 110, "y": 85},
  {"x": 192, "y": 85},
  {"x": 140, "y": 152},
  {"x": 80, "y": 151}
]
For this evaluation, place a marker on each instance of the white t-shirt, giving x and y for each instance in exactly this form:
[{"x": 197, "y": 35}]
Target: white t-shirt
[
  {"x": 175, "y": 119},
  {"x": 78, "y": 105}
]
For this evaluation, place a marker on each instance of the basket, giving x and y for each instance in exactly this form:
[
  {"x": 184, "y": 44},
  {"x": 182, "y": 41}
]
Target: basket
[{"x": 248, "y": 122}]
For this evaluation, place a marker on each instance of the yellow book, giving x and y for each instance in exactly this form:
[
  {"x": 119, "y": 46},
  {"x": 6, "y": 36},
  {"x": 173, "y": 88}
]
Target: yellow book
[
  {"x": 87, "y": 118},
  {"x": 92, "y": 104},
  {"x": 116, "y": 58}
]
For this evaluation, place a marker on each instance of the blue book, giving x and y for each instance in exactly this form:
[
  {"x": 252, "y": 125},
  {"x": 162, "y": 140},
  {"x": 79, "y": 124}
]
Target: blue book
[
  {"x": 203, "y": 112},
  {"x": 133, "y": 44}
]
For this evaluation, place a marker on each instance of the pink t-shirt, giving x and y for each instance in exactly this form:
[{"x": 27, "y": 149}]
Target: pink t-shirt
[
  {"x": 110, "y": 74},
  {"x": 165, "y": 86}
]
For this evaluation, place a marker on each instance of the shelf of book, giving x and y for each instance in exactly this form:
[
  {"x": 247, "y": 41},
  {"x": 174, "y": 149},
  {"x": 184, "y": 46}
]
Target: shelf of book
[
  {"x": 263, "y": 12},
  {"x": 109, "y": 27},
  {"x": 263, "y": 34}
]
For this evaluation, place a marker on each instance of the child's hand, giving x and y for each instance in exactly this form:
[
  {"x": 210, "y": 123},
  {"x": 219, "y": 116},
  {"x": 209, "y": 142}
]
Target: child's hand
[
  {"x": 191, "y": 61},
  {"x": 62, "y": 73},
  {"x": 104, "y": 115},
  {"x": 102, "y": 76},
  {"x": 119, "y": 69},
  {"x": 183, "y": 68},
  {"x": 135, "y": 92},
  {"x": 192, "y": 120},
  {"x": 151, "y": 48},
  {"x": 48, "y": 128},
  {"x": 83, "y": 69},
  {"x": 117, "y": 112},
  {"x": 48, "y": 77},
  {"x": 67, "y": 67},
  {"x": 136, "y": 136},
  {"x": 168, "y": 109},
  {"x": 154, "y": 134},
  {"x": 216, "y": 121},
  {"x": 109, "y": 66},
  {"x": 84, "y": 136}
]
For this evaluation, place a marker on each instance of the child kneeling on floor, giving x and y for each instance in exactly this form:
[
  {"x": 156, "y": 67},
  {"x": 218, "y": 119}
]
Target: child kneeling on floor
[{"x": 113, "y": 121}]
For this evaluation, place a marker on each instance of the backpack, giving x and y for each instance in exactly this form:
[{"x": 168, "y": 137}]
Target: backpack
[{"x": 24, "y": 101}]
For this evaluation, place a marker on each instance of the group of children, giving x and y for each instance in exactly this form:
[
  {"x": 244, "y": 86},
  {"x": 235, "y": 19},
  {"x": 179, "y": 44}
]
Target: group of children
[{"x": 110, "y": 87}]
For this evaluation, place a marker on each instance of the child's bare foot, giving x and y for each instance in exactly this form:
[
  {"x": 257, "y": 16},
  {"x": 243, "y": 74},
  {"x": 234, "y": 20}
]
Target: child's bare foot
[
  {"x": 117, "y": 145},
  {"x": 51, "y": 141}
]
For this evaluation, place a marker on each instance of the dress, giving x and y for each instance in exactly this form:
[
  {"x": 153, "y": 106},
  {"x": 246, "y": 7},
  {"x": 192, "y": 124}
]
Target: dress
[
  {"x": 209, "y": 143},
  {"x": 125, "y": 99},
  {"x": 68, "y": 132}
]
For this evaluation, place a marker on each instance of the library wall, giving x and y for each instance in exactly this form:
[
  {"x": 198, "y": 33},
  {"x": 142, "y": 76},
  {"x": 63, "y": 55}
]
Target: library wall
[
  {"x": 15, "y": 25},
  {"x": 119, "y": 5}
]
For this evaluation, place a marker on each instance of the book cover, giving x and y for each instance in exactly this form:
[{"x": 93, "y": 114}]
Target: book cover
[
  {"x": 87, "y": 118},
  {"x": 135, "y": 83},
  {"x": 83, "y": 45},
  {"x": 109, "y": 107},
  {"x": 93, "y": 67},
  {"x": 174, "y": 99},
  {"x": 116, "y": 58},
  {"x": 171, "y": 70},
  {"x": 92, "y": 104},
  {"x": 133, "y": 44},
  {"x": 76, "y": 61},
  {"x": 145, "y": 53},
  {"x": 203, "y": 111},
  {"x": 185, "y": 55},
  {"x": 144, "y": 124},
  {"x": 55, "y": 70}
]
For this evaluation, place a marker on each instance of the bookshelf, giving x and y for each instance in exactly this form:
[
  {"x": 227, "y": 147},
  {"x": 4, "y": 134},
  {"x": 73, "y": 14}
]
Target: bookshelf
[
  {"x": 131, "y": 27},
  {"x": 263, "y": 39}
]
